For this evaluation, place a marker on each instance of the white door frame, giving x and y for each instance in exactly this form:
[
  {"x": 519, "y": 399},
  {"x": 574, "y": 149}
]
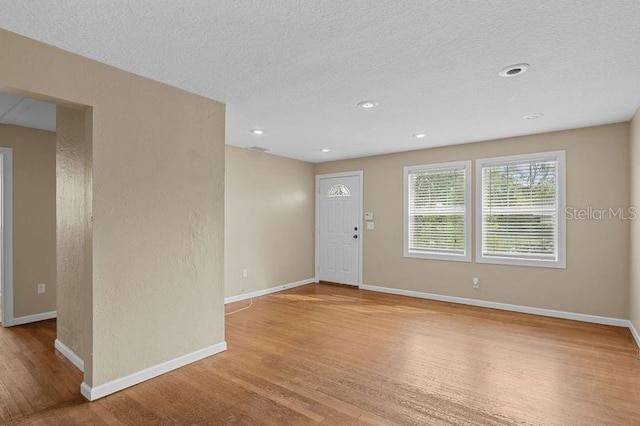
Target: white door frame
[
  {"x": 359, "y": 175},
  {"x": 6, "y": 236}
]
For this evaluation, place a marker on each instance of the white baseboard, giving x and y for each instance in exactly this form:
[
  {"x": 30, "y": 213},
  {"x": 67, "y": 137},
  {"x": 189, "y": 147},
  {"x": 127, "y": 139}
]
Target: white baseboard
[
  {"x": 634, "y": 333},
  {"x": 93, "y": 393},
  {"x": 33, "y": 318},
  {"x": 69, "y": 354},
  {"x": 269, "y": 290},
  {"x": 502, "y": 306}
]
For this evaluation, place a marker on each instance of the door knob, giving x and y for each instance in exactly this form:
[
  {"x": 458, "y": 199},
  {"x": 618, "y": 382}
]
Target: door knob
[
  {"x": 355, "y": 236},
  {"x": 355, "y": 228}
]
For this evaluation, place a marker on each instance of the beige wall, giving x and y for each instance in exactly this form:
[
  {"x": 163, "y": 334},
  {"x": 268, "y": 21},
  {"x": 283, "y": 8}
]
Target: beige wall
[
  {"x": 34, "y": 222},
  {"x": 596, "y": 278},
  {"x": 158, "y": 206},
  {"x": 634, "y": 290},
  {"x": 73, "y": 233},
  {"x": 269, "y": 204}
]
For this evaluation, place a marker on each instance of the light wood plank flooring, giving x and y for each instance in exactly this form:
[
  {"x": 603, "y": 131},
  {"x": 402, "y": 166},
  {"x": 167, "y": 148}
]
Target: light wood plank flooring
[{"x": 338, "y": 355}]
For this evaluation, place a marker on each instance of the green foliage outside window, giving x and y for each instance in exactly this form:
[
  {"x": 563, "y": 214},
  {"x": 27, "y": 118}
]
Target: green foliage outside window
[
  {"x": 437, "y": 209},
  {"x": 519, "y": 209}
]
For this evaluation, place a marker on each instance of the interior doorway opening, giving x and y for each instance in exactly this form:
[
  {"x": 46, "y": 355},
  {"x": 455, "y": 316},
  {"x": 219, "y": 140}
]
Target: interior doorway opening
[
  {"x": 27, "y": 209},
  {"x": 46, "y": 254}
]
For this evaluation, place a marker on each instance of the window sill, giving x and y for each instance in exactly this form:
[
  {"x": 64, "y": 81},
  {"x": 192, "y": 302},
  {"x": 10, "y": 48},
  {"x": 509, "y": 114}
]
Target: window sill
[
  {"x": 556, "y": 264},
  {"x": 437, "y": 256}
]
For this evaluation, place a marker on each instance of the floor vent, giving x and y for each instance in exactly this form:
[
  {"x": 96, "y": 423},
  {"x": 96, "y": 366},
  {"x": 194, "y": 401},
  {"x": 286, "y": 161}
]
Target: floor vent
[{"x": 259, "y": 148}]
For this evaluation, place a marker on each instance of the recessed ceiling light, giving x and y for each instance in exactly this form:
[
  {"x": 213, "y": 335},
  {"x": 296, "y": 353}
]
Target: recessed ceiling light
[
  {"x": 257, "y": 132},
  {"x": 514, "y": 70},
  {"x": 367, "y": 104},
  {"x": 325, "y": 150},
  {"x": 533, "y": 116},
  {"x": 419, "y": 135}
]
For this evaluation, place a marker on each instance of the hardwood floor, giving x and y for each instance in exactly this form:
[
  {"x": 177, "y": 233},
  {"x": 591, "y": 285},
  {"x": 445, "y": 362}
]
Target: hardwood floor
[
  {"x": 33, "y": 377},
  {"x": 338, "y": 355}
]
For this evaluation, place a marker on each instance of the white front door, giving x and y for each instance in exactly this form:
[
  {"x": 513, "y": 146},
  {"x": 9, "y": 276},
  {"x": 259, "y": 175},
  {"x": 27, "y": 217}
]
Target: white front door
[{"x": 339, "y": 229}]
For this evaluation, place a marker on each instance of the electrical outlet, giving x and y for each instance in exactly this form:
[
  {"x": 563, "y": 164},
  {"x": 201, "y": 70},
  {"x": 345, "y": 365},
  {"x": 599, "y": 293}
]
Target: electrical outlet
[
  {"x": 476, "y": 282},
  {"x": 245, "y": 273},
  {"x": 370, "y": 226},
  {"x": 41, "y": 288}
]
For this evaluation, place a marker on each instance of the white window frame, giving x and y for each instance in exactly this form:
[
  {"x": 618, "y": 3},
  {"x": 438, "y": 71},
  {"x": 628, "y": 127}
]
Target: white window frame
[
  {"x": 6, "y": 237},
  {"x": 559, "y": 157},
  {"x": 466, "y": 257}
]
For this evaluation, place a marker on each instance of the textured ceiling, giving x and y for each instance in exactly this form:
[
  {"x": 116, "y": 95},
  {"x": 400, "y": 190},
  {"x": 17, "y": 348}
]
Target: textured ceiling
[
  {"x": 27, "y": 112},
  {"x": 297, "y": 68}
]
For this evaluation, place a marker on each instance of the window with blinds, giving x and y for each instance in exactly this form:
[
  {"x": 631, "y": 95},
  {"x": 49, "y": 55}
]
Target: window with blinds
[
  {"x": 521, "y": 210},
  {"x": 437, "y": 220}
]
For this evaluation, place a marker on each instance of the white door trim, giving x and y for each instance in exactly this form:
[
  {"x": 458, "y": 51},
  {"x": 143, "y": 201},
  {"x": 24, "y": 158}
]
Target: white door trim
[
  {"x": 359, "y": 174},
  {"x": 6, "y": 221}
]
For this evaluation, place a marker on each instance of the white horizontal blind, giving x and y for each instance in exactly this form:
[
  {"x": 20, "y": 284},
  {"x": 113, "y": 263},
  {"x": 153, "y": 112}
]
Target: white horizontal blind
[
  {"x": 437, "y": 211},
  {"x": 520, "y": 210}
]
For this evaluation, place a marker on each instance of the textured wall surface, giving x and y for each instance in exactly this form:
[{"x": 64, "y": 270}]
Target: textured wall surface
[
  {"x": 158, "y": 206},
  {"x": 34, "y": 223},
  {"x": 634, "y": 289},
  {"x": 596, "y": 278},
  {"x": 73, "y": 228},
  {"x": 269, "y": 226}
]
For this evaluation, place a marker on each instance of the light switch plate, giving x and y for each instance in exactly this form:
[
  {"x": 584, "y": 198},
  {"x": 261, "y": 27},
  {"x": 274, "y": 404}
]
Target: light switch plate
[
  {"x": 368, "y": 216},
  {"x": 41, "y": 288}
]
